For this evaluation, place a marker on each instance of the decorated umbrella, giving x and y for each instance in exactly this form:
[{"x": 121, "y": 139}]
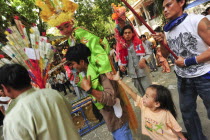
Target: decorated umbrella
[{"x": 33, "y": 51}]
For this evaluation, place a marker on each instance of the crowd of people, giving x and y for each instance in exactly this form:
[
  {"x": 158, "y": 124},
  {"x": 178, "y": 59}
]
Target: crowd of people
[{"x": 46, "y": 114}]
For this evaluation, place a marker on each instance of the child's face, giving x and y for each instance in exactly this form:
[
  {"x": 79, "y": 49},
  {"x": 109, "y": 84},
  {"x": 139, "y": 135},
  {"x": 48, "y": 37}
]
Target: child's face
[
  {"x": 149, "y": 98},
  {"x": 65, "y": 28}
]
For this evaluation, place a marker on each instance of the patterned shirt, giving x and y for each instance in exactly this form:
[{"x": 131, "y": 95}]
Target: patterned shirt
[{"x": 184, "y": 41}]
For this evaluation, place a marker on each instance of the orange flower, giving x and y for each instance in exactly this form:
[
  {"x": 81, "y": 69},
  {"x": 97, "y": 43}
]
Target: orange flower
[{"x": 114, "y": 16}]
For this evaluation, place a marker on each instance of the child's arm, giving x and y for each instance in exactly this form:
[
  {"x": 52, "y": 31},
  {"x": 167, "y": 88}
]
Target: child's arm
[
  {"x": 128, "y": 90},
  {"x": 116, "y": 77}
]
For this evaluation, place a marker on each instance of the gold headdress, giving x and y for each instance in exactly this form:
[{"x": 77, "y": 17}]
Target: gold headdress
[
  {"x": 56, "y": 12},
  {"x": 118, "y": 11}
]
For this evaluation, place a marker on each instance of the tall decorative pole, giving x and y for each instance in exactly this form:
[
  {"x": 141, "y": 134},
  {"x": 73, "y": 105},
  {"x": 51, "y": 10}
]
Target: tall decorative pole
[{"x": 149, "y": 28}]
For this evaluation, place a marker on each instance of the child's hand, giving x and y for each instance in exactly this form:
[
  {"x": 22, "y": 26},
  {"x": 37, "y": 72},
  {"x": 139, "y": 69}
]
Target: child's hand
[{"x": 116, "y": 77}]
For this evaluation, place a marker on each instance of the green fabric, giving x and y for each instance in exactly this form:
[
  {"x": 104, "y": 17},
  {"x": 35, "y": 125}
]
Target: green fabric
[
  {"x": 106, "y": 45},
  {"x": 98, "y": 61},
  {"x": 45, "y": 110},
  {"x": 92, "y": 71},
  {"x": 99, "y": 57}
]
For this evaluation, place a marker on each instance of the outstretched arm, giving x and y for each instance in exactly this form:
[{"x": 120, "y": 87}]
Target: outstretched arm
[
  {"x": 116, "y": 77},
  {"x": 128, "y": 90}
]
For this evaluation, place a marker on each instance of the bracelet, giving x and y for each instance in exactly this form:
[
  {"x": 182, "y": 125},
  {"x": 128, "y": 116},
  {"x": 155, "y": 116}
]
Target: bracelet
[
  {"x": 190, "y": 61},
  {"x": 89, "y": 91}
]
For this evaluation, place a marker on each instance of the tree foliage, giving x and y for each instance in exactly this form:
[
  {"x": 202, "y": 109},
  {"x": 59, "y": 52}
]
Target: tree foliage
[
  {"x": 95, "y": 15},
  {"x": 24, "y": 9}
]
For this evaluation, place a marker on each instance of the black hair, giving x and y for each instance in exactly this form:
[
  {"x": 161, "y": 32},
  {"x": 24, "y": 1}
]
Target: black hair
[
  {"x": 143, "y": 36},
  {"x": 163, "y": 96},
  {"x": 77, "y": 53},
  {"x": 185, "y": 4},
  {"x": 207, "y": 9},
  {"x": 204, "y": 13},
  {"x": 15, "y": 76},
  {"x": 126, "y": 27},
  {"x": 158, "y": 29},
  {"x": 112, "y": 44}
]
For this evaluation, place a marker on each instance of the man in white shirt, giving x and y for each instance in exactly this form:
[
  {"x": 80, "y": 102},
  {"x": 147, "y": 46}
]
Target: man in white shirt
[{"x": 188, "y": 37}]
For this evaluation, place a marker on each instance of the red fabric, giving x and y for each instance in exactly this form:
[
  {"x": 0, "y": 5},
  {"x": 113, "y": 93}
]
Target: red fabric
[
  {"x": 16, "y": 17},
  {"x": 1, "y": 56},
  {"x": 123, "y": 55},
  {"x": 36, "y": 74},
  {"x": 69, "y": 73}
]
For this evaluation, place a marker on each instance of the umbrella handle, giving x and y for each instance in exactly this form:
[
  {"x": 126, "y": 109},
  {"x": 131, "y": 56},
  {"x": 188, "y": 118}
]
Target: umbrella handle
[{"x": 149, "y": 28}]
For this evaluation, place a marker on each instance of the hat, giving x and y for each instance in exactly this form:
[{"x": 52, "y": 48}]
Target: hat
[
  {"x": 56, "y": 12},
  {"x": 118, "y": 11}
]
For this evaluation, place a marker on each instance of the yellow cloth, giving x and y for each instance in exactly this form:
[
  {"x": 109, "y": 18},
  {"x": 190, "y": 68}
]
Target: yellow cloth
[
  {"x": 39, "y": 115},
  {"x": 157, "y": 124}
]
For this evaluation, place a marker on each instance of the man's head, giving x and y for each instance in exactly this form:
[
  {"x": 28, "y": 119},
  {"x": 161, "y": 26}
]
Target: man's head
[
  {"x": 173, "y": 8},
  {"x": 14, "y": 77},
  {"x": 78, "y": 57},
  {"x": 143, "y": 37},
  {"x": 208, "y": 11},
  {"x": 127, "y": 33}
]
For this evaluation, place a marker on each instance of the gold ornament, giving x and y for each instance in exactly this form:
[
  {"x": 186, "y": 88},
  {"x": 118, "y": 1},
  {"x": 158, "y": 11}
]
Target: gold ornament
[{"x": 56, "y": 12}]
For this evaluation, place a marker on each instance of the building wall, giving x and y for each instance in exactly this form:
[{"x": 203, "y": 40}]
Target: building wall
[{"x": 140, "y": 28}]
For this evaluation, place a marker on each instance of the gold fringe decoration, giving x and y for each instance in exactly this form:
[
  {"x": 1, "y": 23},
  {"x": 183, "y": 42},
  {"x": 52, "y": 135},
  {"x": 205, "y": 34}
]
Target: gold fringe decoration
[{"x": 133, "y": 123}]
